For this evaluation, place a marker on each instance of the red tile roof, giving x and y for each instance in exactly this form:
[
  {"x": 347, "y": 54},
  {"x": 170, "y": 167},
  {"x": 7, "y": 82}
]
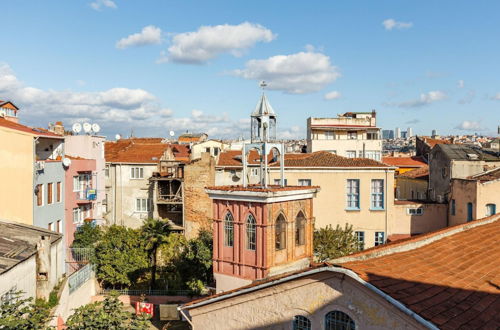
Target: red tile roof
[
  {"x": 432, "y": 142},
  {"x": 143, "y": 150},
  {"x": 259, "y": 188},
  {"x": 315, "y": 159},
  {"x": 404, "y": 161},
  {"x": 490, "y": 175},
  {"x": 22, "y": 128},
  {"x": 450, "y": 277}
]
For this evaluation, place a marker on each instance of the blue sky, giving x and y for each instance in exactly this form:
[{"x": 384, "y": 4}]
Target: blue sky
[{"x": 153, "y": 66}]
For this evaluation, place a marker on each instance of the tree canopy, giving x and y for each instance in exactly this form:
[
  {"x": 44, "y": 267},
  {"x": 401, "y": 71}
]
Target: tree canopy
[
  {"x": 23, "y": 313},
  {"x": 330, "y": 243},
  {"x": 86, "y": 236}
]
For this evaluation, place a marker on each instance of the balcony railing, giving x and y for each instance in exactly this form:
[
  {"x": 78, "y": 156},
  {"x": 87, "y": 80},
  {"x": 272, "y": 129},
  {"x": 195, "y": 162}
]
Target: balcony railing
[{"x": 88, "y": 194}]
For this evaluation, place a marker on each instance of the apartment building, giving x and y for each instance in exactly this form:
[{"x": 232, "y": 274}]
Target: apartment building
[
  {"x": 351, "y": 135},
  {"x": 213, "y": 147},
  {"x": 456, "y": 161},
  {"x": 356, "y": 191},
  {"x": 144, "y": 179},
  {"x": 32, "y": 173},
  {"x": 474, "y": 197}
]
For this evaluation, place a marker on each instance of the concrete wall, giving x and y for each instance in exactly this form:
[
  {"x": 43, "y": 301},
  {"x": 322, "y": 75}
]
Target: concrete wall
[
  {"x": 20, "y": 278},
  {"x": 199, "y": 148},
  {"x": 16, "y": 176},
  {"x": 475, "y": 192},
  {"x": 91, "y": 147},
  {"x": 341, "y": 146},
  {"x": 43, "y": 215},
  {"x": 197, "y": 205},
  {"x": 330, "y": 203},
  {"x": 122, "y": 192},
  {"x": 433, "y": 218},
  {"x": 312, "y": 296}
]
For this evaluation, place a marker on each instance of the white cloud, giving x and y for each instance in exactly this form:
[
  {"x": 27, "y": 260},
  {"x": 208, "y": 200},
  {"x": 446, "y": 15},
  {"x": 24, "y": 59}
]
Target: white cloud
[
  {"x": 299, "y": 73},
  {"x": 390, "y": 24},
  {"x": 460, "y": 84},
  {"x": 98, "y": 4},
  {"x": 333, "y": 95},
  {"x": 468, "y": 125},
  {"x": 149, "y": 35},
  {"x": 210, "y": 41},
  {"x": 424, "y": 99}
]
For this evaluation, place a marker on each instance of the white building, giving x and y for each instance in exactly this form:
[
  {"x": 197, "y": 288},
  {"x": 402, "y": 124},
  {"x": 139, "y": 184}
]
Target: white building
[
  {"x": 352, "y": 135},
  {"x": 397, "y": 133}
]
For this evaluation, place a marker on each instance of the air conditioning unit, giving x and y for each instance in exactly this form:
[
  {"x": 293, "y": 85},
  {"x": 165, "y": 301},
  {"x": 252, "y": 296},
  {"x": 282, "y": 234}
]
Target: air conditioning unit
[{"x": 39, "y": 165}]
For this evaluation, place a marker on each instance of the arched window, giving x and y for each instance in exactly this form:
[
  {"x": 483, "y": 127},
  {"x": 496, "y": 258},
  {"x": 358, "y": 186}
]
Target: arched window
[
  {"x": 301, "y": 323},
  {"x": 300, "y": 229},
  {"x": 280, "y": 232},
  {"x": 251, "y": 232},
  {"x": 336, "y": 320},
  {"x": 228, "y": 230}
]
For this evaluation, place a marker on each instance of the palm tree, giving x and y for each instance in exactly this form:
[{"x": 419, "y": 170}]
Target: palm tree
[{"x": 154, "y": 232}]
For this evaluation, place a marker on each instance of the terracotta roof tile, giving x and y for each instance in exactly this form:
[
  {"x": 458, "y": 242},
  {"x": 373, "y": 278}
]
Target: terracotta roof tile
[
  {"x": 404, "y": 161},
  {"x": 19, "y": 127},
  {"x": 491, "y": 175},
  {"x": 315, "y": 159},
  {"x": 459, "y": 273},
  {"x": 142, "y": 150},
  {"x": 432, "y": 142},
  {"x": 418, "y": 173},
  {"x": 259, "y": 188}
]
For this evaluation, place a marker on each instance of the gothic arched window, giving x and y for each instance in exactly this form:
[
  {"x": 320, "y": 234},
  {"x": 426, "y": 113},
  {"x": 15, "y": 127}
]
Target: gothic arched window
[
  {"x": 280, "y": 232},
  {"x": 300, "y": 229},
  {"x": 228, "y": 229},
  {"x": 251, "y": 232}
]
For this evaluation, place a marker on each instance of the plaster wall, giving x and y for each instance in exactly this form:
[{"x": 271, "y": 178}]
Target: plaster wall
[
  {"x": 312, "y": 296},
  {"x": 433, "y": 218},
  {"x": 199, "y": 148},
  {"x": 341, "y": 146},
  {"x": 70, "y": 200},
  {"x": 17, "y": 159},
  {"x": 122, "y": 192},
  {"x": 20, "y": 278},
  {"x": 47, "y": 213},
  {"x": 91, "y": 147},
  {"x": 411, "y": 189}
]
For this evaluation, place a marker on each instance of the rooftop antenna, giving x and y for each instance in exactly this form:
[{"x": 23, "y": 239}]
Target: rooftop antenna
[
  {"x": 263, "y": 85},
  {"x": 77, "y": 128}
]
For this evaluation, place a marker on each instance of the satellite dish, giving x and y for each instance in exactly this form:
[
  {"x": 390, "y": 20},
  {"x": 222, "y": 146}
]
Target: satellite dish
[
  {"x": 172, "y": 133},
  {"x": 66, "y": 162},
  {"x": 77, "y": 128},
  {"x": 96, "y": 128},
  {"x": 87, "y": 127},
  {"x": 118, "y": 136}
]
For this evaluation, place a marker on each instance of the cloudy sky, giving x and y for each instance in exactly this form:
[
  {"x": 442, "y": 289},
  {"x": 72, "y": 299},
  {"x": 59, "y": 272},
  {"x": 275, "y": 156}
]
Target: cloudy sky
[{"x": 155, "y": 66}]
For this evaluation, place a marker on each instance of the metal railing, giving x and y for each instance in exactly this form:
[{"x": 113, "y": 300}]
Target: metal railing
[
  {"x": 78, "y": 278},
  {"x": 128, "y": 292}
]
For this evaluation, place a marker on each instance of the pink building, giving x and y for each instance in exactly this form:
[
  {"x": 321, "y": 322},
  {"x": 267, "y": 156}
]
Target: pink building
[{"x": 80, "y": 194}]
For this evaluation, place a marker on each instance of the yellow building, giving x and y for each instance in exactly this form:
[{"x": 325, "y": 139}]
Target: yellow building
[{"x": 357, "y": 191}]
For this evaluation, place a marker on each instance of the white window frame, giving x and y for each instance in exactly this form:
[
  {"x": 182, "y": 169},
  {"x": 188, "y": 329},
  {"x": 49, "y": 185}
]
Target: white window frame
[
  {"x": 360, "y": 236},
  {"x": 329, "y": 135},
  {"x": 304, "y": 182},
  {"x": 350, "y": 153},
  {"x": 254, "y": 171},
  {"x": 79, "y": 215},
  {"x": 352, "y": 135},
  {"x": 379, "y": 238},
  {"x": 277, "y": 182},
  {"x": 142, "y": 205},
  {"x": 137, "y": 173},
  {"x": 59, "y": 195},
  {"x": 377, "y": 198},
  {"x": 350, "y": 194}
]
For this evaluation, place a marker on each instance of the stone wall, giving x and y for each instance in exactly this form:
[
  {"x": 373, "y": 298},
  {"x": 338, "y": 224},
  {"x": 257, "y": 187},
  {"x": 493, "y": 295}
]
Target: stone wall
[{"x": 197, "y": 205}]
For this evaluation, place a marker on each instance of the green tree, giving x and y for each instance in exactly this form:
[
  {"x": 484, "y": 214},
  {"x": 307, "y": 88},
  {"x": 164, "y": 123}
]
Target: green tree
[
  {"x": 154, "y": 232},
  {"x": 197, "y": 259},
  {"x": 87, "y": 236},
  {"x": 23, "y": 313},
  {"x": 107, "y": 314},
  {"x": 332, "y": 243},
  {"x": 120, "y": 257}
]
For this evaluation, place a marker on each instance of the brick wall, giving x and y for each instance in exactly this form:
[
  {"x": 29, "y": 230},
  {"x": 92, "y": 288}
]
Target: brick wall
[{"x": 197, "y": 205}]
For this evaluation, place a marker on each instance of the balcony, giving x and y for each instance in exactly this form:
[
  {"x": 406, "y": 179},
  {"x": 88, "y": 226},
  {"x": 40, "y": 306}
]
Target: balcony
[{"x": 86, "y": 195}]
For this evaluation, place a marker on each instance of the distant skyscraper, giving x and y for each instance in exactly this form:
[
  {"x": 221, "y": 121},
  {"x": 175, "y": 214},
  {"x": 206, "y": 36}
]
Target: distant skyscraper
[
  {"x": 434, "y": 132},
  {"x": 398, "y": 133},
  {"x": 387, "y": 134},
  {"x": 409, "y": 132},
  {"x": 404, "y": 134}
]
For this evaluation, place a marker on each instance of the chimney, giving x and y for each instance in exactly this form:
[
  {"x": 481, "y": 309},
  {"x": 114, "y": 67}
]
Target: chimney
[{"x": 43, "y": 267}]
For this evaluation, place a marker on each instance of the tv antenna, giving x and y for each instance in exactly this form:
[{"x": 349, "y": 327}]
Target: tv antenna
[
  {"x": 96, "y": 128},
  {"x": 77, "y": 128},
  {"x": 87, "y": 127}
]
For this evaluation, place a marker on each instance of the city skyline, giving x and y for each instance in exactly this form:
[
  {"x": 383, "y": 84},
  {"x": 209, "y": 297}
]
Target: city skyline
[{"x": 148, "y": 68}]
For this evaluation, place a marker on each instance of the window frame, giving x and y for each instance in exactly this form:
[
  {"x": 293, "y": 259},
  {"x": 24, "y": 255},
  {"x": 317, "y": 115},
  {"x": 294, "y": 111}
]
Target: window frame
[
  {"x": 353, "y": 197},
  {"x": 140, "y": 207},
  {"x": 377, "y": 196},
  {"x": 301, "y": 182},
  {"x": 360, "y": 236},
  {"x": 453, "y": 207},
  {"x": 470, "y": 211},
  {"x": 494, "y": 208},
  {"x": 280, "y": 233},
  {"x": 228, "y": 226},
  {"x": 414, "y": 210},
  {"x": 333, "y": 321},
  {"x": 58, "y": 192},
  {"x": 277, "y": 182},
  {"x": 40, "y": 195},
  {"x": 350, "y": 153},
  {"x": 136, "y": 173},
  {"x": 300, "y": 229},
  {"x": 301, "y": 322},
  {"x": 352, "y": 135},
  {"x": 50, "y": 193},
  {"x": 251, "y": 233},
  {"x": 378, "y": 235}
]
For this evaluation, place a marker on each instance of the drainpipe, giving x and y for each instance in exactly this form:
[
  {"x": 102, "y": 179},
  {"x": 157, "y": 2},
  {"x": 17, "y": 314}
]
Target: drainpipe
[
  {"x": 386, "y": 208},
  {"x": 35, "y": 140},
  {"x": 185, "y": 316}
]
